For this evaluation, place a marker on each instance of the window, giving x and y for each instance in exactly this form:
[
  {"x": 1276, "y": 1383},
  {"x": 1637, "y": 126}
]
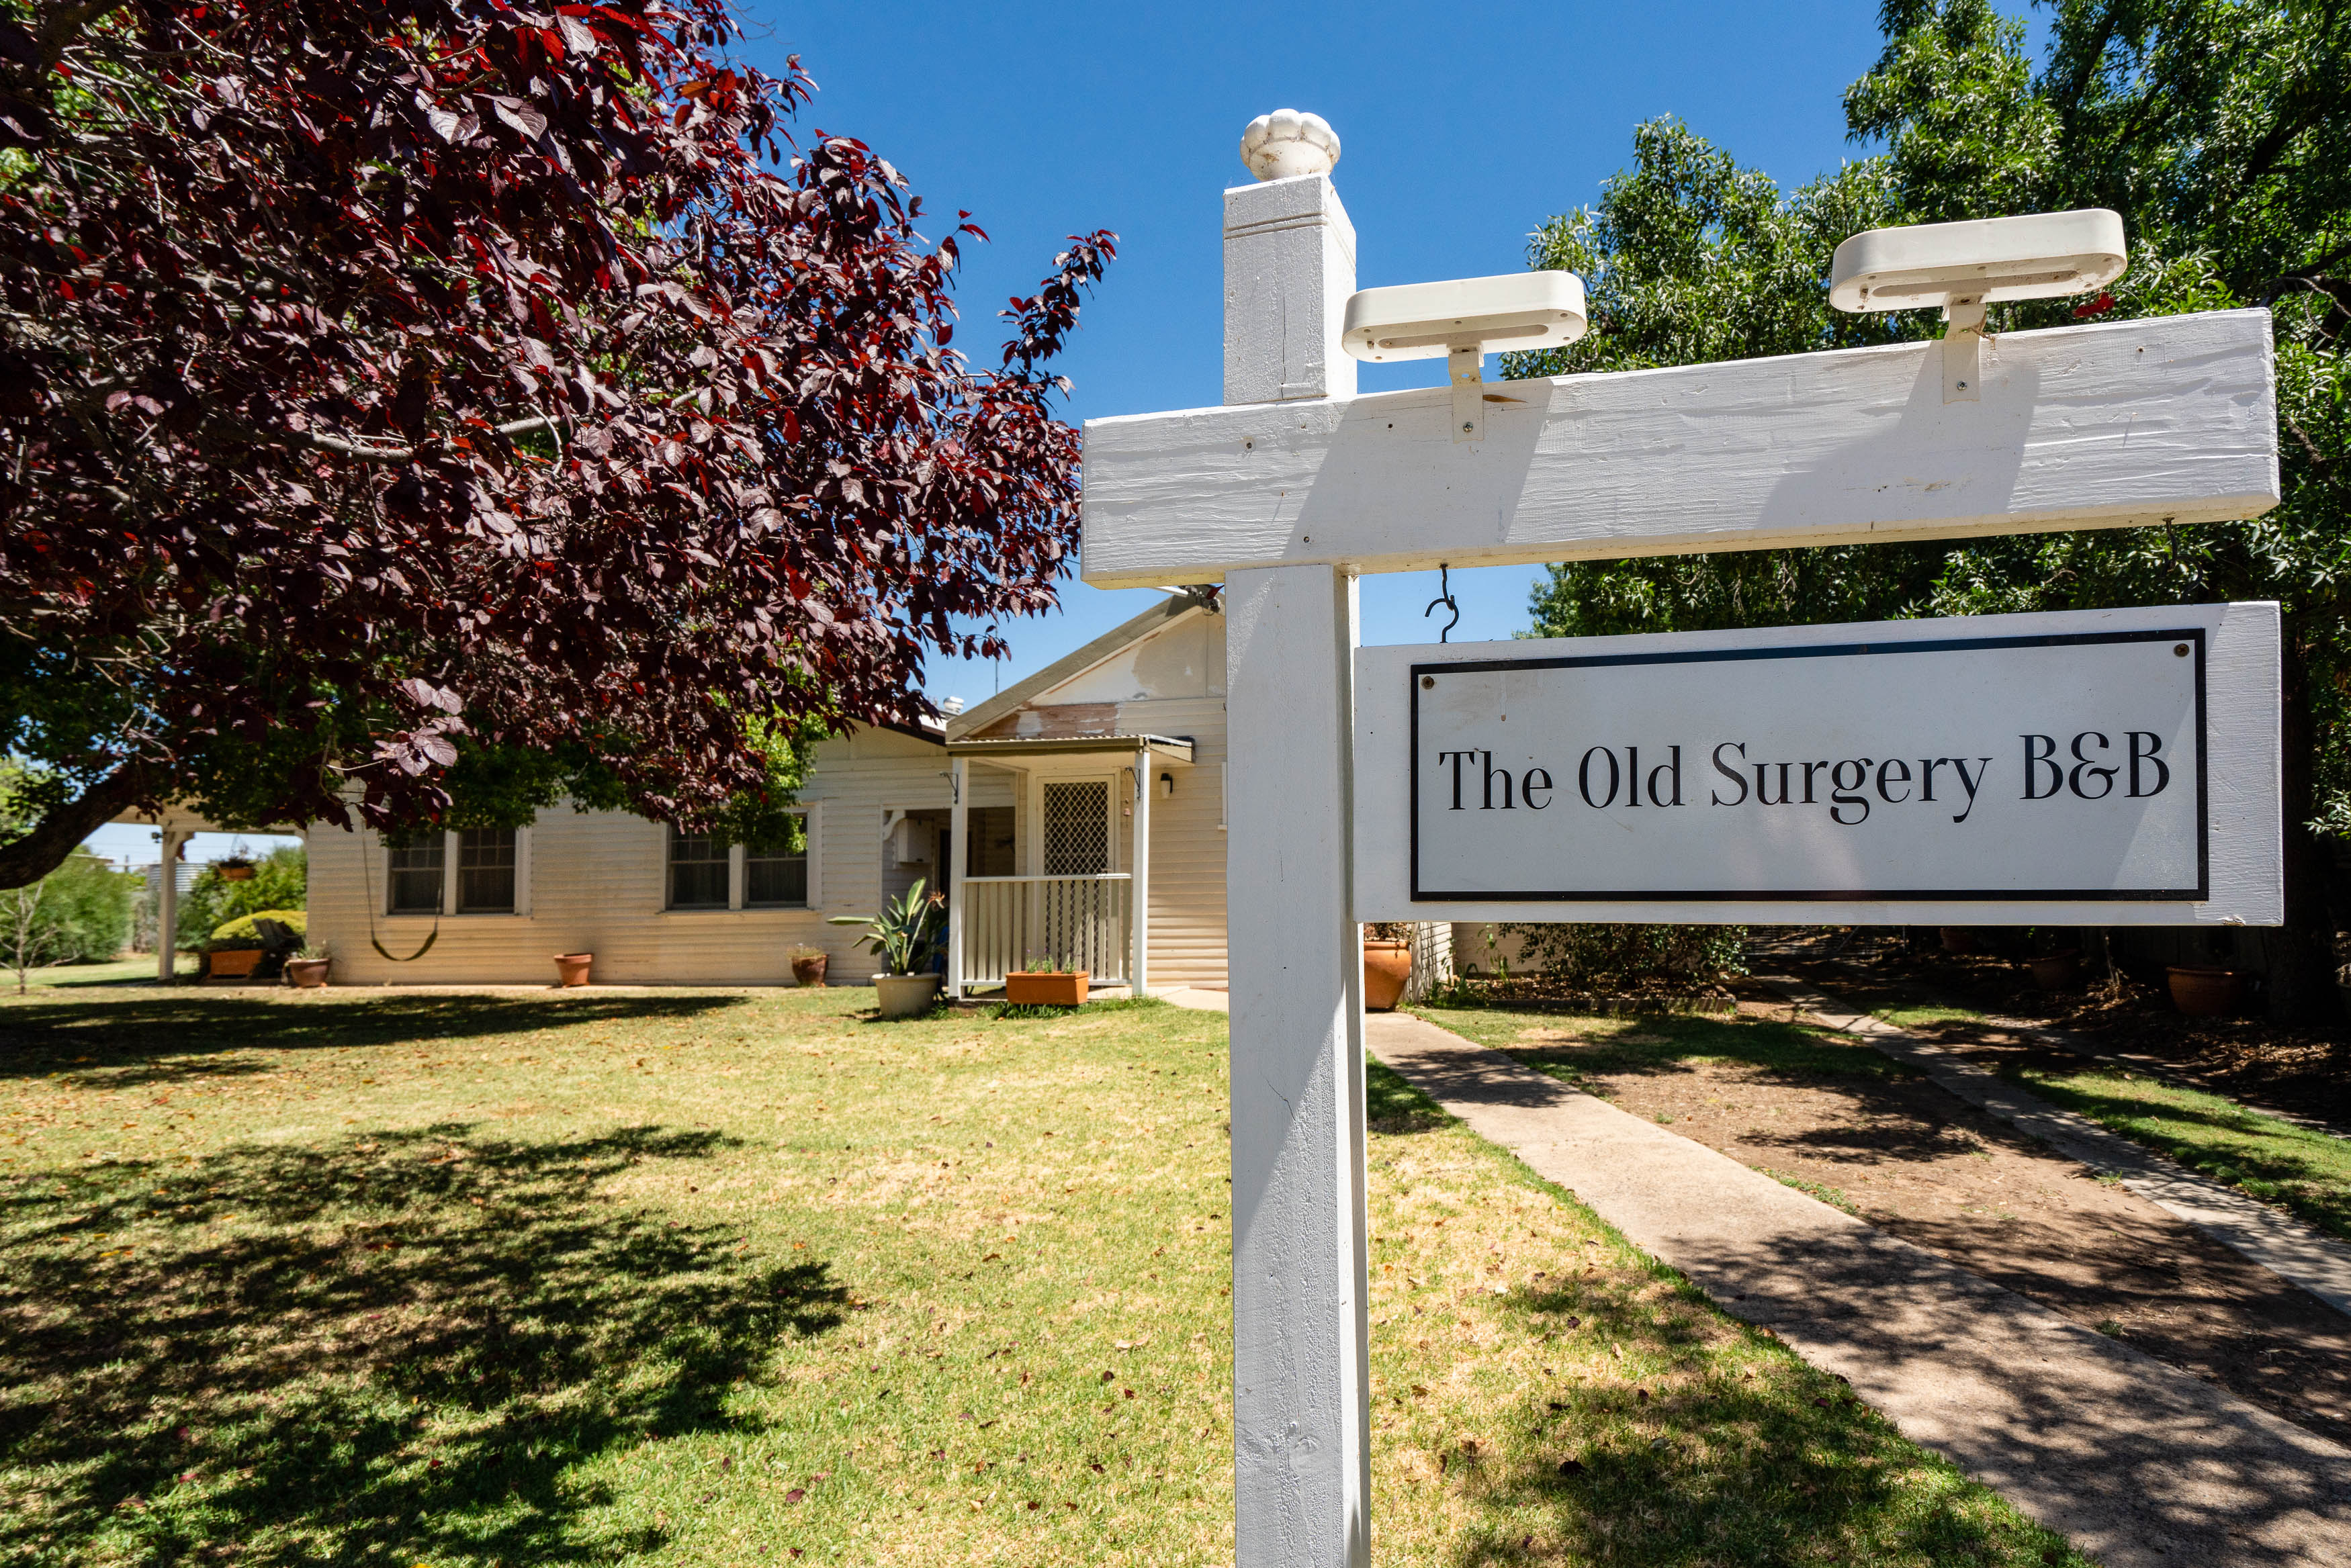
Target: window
[
  {"x": 416, "y": 860},
  {"x": 486, "y": 871},
  {"x": 776, "y": 874},
  {"x": 698, "y": 866},
  {"x": 1077, "y": 828}
]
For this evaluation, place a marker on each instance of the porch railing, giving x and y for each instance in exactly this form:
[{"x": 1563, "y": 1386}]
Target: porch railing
[{"x": 1013, "y": 922}]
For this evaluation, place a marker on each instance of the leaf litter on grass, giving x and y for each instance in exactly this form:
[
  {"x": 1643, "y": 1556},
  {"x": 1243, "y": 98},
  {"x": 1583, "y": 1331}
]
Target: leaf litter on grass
[{"x": 742, "y": 1308}]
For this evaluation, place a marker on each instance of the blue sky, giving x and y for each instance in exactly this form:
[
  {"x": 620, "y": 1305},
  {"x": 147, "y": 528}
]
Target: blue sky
[{"x": 1462, "y": 128}]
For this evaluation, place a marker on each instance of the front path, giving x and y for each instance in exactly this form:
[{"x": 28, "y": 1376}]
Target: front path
[{"x": 2137, "y": 1462}]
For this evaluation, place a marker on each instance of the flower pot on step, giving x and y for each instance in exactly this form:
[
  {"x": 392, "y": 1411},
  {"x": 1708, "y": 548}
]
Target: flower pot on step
[
  {"x": 2201, "y": 991},
  {"x": 1387, "y": 969},
  {"x": 905, "y": 995},
  {"x": 307, "y": 974},
  {"x": 2057, "y": 971},
  {"x": 1047, "y": 988},
  {"x": 809, "y": 970},
  {"x": 572, "y": 969},
  {"x": 235, "y": 963}
]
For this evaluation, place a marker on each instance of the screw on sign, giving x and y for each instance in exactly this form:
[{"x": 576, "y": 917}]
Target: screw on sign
[{"x": 1297, "y": 485}]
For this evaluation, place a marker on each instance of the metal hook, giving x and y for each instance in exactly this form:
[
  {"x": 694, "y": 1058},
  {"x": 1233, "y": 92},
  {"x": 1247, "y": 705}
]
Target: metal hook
[{"x": 1443, "y": 597}]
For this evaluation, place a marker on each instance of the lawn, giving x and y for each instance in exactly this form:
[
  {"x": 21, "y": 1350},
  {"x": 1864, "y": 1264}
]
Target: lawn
[
  {"x": 2297, "y": 1168},
  {"x": 711, "y": 1278},
  {"x": 118, "y": 971}
]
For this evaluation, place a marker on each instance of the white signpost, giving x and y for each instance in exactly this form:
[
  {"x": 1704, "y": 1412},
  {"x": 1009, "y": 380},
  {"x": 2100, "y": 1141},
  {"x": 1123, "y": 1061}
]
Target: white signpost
[{"x": 2153, "y": 799}]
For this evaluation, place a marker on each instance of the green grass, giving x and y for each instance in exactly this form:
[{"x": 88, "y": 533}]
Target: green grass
[
  {"x": 1927, "y": 1014},
  {"x": 1573, "y": 1048},
  {"x": 2305, "y": 1171},
  {"x": 1834, "y": 1197},
  {"x": 718, "y": 1279},
  {"x": 120, "y": 972}
]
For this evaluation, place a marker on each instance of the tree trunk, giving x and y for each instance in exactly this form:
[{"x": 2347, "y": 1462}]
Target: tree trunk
[
  {"x": 2301, "y": 952},
  {"x": 61, "y": 832}
]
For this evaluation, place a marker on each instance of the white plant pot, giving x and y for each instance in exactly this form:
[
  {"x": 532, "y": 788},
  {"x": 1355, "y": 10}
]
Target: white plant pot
[{"x": 905, "y": 995}]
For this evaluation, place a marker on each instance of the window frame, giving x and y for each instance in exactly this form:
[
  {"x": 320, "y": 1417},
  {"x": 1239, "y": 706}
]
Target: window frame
[
  {"x": 452, "y": 855},
  {"x": 739, "y": 873}
]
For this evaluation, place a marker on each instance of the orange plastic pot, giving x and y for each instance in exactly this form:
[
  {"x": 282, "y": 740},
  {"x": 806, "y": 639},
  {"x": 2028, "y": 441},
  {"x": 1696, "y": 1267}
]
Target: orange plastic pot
[
  {"x": 234, "y": 964},
  {"x": 1387, "y": 969},
  {"x": 1046, "y": 987},
  {"x": 572, "y": 969},
  {"x": 307, "y": 974}
]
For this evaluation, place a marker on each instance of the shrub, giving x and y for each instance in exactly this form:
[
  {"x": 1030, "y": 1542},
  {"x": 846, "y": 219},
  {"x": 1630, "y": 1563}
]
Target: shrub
[
  {"x": 1632, "y": 957},
  {"x": 280, "y": 881},
  {"x": 243, "y": 931},
  {"x": 83, "y": 915}
]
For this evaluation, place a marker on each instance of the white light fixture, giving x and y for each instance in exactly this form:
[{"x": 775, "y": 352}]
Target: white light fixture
[
  {"x": 1166, "y": 785},
  {"x": 1458, "y": 321},
  {"x": 1966, "y": 265}
]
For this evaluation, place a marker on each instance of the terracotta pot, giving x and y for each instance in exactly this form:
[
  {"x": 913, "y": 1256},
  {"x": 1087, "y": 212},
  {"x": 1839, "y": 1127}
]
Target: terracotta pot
[
  {"x": 905, "y": 995},
  {"x": 809, "y": 970},
  {"x": 2204, "y": 993},
  {"x": 1959, "y": 940},
  {"x": 572, "y": 969},
  {"x": 235, "y": 963},
  {"x": 1046, "y": 987},
  {"x": 1387, "y": 966},
  {"x": 307, "y": 974},
  {"x": 234, "y": 873},
  {"x": 2058, "y": 971}
]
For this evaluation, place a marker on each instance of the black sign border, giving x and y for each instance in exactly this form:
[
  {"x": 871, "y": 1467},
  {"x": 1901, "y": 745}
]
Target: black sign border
[{"x": 2193, "y": 636}]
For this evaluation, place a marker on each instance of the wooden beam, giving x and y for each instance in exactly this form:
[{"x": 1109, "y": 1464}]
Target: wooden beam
[{"x": 2171, "y": 419}]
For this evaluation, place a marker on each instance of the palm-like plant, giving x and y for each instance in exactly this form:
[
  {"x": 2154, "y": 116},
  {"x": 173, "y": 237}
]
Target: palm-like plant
[{"x": 904, "y": 935}]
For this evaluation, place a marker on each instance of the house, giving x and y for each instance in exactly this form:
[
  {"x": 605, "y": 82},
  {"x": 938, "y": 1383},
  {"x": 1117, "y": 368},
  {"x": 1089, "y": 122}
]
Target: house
[{"x": 1079, "y": 814}]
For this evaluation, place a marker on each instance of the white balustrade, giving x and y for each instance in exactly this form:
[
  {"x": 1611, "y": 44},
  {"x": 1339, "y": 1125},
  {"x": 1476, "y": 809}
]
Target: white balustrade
[{"x": 1070, "y": 922}]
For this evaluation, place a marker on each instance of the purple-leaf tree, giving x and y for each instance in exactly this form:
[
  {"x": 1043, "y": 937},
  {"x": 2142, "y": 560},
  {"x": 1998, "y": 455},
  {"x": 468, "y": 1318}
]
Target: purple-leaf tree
[{"x": 387, "y": 374}]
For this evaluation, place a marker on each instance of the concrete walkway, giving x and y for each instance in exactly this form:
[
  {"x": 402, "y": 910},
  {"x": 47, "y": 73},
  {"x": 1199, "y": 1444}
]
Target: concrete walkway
[
  {"x": 2138, "y": 1464},
  {"x": 2278, "y": 1243}
]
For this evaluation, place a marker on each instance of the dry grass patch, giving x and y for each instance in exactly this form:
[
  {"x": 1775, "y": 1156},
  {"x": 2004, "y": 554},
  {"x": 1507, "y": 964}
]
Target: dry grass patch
[{"x": 722, "y": 1279}]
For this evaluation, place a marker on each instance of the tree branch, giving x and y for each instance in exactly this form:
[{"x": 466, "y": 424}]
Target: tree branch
[{"x": 58, "y": 834}]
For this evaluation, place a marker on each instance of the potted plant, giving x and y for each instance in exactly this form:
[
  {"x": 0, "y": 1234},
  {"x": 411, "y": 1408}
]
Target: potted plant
[
  {"x": 904, "y": 937},
  {"x": 307, "y": 967},
  {"x": 572, "y": 969},
  {"x": 2201, "y": 991},
  {"x": 236, "y": 867},
  {"x": 2057, "y": 970},
  {"x": 1387, "y": 964},
  {"x": 808, "y": 964},
  {"x": 1053, "y": 982},
  {"x": 233, "y": 958}
]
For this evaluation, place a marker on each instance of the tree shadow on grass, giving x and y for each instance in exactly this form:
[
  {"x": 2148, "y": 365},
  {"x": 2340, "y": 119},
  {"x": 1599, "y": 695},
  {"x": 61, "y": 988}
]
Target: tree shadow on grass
[
  {"x": 396, "y": 1349},
  {"x": 1702, "y": 1462},
  {"x": 1668, "y": 1046},
  {"x": 159, "y": 1038}
]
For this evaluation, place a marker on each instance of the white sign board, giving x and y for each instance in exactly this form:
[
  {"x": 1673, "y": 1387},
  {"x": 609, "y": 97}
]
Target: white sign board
[{"x": 2100, "y": 767}]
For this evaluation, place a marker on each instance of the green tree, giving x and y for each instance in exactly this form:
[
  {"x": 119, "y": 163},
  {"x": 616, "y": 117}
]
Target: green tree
[{"x": 2218, "y": 129}]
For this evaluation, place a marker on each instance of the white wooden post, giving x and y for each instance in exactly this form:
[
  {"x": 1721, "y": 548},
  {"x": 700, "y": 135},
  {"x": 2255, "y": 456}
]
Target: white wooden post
[
  {"x": 958, "y": 854},
  {"x": 1301, "y": 1422},
  {"x": 167, "y": 909},
  {"x": 1139, "y": 888}
]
